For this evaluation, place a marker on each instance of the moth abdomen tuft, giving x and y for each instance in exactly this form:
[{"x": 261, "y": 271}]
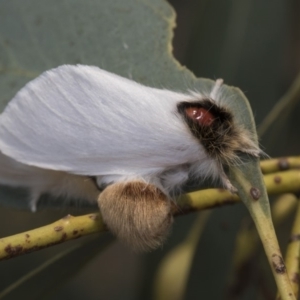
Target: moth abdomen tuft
[{"x": 138, "y": 213}]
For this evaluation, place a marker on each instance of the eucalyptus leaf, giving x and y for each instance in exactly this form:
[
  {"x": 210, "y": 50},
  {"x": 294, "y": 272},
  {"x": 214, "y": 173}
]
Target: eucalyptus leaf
[{"x": 131, "y": 38}]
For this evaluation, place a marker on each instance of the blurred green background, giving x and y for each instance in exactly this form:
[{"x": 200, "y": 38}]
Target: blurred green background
[{"x": 251, "y": 44}]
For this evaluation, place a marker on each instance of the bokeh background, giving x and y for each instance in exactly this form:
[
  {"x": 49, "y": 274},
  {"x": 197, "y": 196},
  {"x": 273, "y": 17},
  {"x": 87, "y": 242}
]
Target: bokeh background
[{"x": 251, "y": 44}]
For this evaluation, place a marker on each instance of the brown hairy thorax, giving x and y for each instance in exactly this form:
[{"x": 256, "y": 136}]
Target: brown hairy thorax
[
  {"x": 136, "y": 212},
  {"x": 214, "y": 128}
]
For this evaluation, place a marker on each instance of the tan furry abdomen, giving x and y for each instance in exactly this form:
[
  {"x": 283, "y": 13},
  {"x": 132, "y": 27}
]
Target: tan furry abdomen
[{"x": 136, "y": 212}]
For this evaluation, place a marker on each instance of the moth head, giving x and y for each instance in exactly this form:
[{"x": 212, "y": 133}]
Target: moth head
[{"x": 215, "y": 128}]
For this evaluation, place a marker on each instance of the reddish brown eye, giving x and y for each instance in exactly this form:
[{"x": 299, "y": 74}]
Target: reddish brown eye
[{"x": 201, "y": 115}]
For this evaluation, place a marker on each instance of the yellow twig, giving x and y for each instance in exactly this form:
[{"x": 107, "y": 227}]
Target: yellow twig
[
  {"x": 280, "y": 164},
  {"x": 74, "y": 227},
  {"x": 283, "y": 207},
  {"x": 60, "y": 231},
  {"x": 277, "y": 183}
]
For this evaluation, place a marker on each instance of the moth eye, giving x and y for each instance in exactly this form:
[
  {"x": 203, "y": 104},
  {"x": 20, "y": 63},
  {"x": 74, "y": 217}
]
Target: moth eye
[{"x": 200, "y": 115}]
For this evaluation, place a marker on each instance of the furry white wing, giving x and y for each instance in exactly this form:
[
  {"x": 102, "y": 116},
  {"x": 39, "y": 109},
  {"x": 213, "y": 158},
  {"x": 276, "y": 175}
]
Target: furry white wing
[{"x": 84, "y": 120}]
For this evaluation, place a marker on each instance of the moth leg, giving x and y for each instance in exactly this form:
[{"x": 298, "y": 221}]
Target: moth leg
[
  {"x": 138, "y": 213},
  {"x": 64, "y": 185},
  {"x": 229, "y": 186},
  {"x": 226, "y": 182},
  {"x": 75, "y": 186},
  {"x": 34, "y": 198}
]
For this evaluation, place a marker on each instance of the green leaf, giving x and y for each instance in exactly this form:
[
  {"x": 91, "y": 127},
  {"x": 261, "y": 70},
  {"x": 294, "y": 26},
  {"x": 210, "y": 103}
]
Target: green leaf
[{"x": 131, "y": 38}]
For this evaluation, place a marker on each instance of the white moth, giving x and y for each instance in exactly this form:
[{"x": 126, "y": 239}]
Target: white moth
[{"x": 79, "y": 131}]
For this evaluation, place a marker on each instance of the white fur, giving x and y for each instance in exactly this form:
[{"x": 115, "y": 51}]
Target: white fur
[{"x": 85, "y": 121}]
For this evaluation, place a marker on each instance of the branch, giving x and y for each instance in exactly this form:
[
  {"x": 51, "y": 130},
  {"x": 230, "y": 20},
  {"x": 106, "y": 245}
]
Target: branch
[
  {"x": 71, "y": 227},
  {"x": 67, "y": 228}
]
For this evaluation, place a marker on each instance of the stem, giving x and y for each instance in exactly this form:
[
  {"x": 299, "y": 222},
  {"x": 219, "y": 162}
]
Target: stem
[{"x": 256, "y": 199}]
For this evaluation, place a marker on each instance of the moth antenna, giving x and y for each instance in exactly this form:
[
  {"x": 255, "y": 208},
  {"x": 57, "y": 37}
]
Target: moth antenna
[
  {"x": 215, "y": 89},
  {"x": 139, "y": 214},
  {"x": 263, "y": 154},
  {"x": 254, "y": 152}
]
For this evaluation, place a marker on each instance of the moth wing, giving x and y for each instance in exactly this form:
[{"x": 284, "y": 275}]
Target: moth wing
[{"x": 84, "y": 120}]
